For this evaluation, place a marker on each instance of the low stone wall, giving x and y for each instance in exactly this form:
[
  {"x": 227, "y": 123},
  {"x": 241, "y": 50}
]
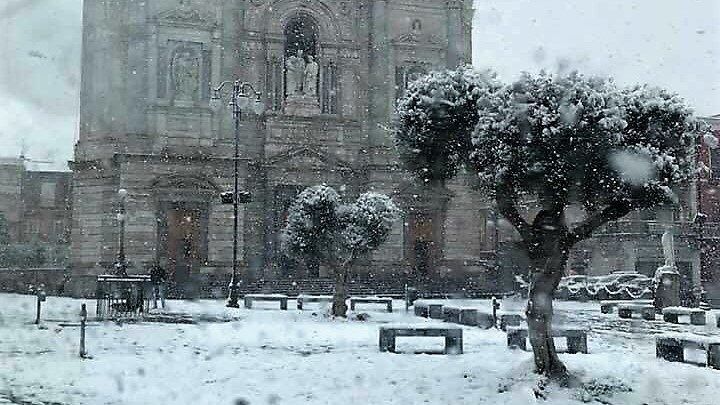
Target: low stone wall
[{"x": 21, "y": 280}]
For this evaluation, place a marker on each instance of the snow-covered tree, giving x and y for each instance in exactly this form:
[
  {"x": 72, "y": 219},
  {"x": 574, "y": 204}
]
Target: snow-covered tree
[
  {"x": 322, "y": 229},
  {"x": 563, "y": 140}
]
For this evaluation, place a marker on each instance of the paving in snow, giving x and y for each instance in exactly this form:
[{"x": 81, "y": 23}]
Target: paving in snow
[{"x": 266, "y": 356}]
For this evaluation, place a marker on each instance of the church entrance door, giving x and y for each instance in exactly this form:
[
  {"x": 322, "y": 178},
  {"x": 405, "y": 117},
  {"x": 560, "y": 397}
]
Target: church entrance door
[{"x": 183, "y": 248}]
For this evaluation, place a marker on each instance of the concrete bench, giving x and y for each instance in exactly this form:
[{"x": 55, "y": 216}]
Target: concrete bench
[
  {"x": 606, "y": 307},
  {"x": 672, "y": 348},
  {"x": 484, "y": 320},
  {"x": 454, "y": 314},
  {"x": 647, "y": 312},
  {"x": 307, "y": 299},
  {"x": 576, "y": 338},
  {"x": 671, "y": 314},
  {"x": 250, "y": 298},
  {"x": 421, "y": 309},
  {"x": 453, "y": 336},
  {"x": 507, "y": 320},
  {"x": 371, "y": 300}
]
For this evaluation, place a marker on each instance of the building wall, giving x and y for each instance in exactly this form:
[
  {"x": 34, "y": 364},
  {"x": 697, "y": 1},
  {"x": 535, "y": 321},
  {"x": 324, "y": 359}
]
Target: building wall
[
  {"x": 709, "y": 205},
  {"x": 11, "y": 175}
]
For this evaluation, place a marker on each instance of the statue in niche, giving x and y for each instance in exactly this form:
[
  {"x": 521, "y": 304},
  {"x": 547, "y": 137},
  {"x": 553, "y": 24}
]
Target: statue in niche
[
  {"x": 295, "y": 68},
  {"x": 186, "y": 76},
  {"x": 311, "y": 75}
]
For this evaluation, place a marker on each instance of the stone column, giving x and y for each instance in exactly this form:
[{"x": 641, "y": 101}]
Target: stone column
[
  {"x": 257, "y": 227},
  {"x": 379, "y": 80},
  {"x": 455, "y": 33}
]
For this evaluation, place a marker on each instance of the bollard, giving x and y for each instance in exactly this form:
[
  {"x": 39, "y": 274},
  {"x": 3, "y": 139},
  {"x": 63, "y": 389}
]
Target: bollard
[
  {"x": 495, "y": 307},
  {"x": 41, "y": 296},
  {"x": 83, "y": 319},
  {"x": 411, "y": 295}
]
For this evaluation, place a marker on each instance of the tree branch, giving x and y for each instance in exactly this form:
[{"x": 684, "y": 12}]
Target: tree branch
[
  {"x": 612, "y": 212},
  {"x": 505, "y": 196}
]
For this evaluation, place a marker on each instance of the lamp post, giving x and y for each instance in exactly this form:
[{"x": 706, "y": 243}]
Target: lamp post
[
  {"x": 121, "y": 264},
  {"x": 240, "y": 98}
]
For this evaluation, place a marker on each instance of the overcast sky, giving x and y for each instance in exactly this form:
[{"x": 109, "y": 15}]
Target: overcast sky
[{"x": 671, "y": 43}]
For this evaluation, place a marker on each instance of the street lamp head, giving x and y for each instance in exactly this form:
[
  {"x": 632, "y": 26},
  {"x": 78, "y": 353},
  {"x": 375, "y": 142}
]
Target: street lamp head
[
  {"x": 243, "y": 101},
  {"x": 258, "y": 106},
  {"x": 216, "y": 103}
]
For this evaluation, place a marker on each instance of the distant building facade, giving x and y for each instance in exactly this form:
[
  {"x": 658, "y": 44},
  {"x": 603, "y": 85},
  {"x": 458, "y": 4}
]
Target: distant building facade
[
  {"x": 36, "y": 206},
  {"x": 11, "y": 179}
]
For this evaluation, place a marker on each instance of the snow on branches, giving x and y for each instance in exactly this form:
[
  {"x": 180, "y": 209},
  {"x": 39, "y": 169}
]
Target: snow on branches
[
  {"x": 436, "y": 116},
  {"x": 571, "y": 138},
  {"x": 320, "y": 226}
]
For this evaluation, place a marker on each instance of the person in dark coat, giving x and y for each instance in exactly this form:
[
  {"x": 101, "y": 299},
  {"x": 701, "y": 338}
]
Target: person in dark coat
[{"x": 158, "y": 278}]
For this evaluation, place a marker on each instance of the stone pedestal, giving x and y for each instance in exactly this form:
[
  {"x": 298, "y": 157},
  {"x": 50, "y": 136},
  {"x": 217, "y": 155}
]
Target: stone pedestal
[{"x": 302, "y": 106}]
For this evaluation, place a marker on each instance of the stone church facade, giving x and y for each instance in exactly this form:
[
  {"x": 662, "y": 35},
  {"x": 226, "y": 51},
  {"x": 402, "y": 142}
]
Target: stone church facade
[{"x": 329, "y": 73}]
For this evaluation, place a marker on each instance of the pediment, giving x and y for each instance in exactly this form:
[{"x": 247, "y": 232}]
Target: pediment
[{"x": 307, "y": 157}]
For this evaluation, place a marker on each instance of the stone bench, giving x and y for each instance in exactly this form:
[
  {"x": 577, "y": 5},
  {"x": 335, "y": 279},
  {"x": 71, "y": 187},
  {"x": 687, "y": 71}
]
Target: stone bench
[
  {"x": 371, "y": 300},
  {"x": 457, "y": 314},
  {"x": 671, "y": 314},
  {"x": 576, "y": 338},
  {"x": 507, "y": 320},
  {"x": 672, "y": 348},
  {"x": 250, "y": 298},
  {"x": 647, "y": 312},
  {"x": 453, "y": 336},
  {"x": 428, "y": 310},
  {"x": 606, "y": 307},
  {"x": 473, "y": 317},
  {"x": 303, "y": 299}
]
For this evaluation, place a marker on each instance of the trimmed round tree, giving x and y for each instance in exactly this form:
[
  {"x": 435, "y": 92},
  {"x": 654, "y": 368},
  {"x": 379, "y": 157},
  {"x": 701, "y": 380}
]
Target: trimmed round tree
[
  {"x": 321, "y": 229},
  {"x": 564, "y": 141}
]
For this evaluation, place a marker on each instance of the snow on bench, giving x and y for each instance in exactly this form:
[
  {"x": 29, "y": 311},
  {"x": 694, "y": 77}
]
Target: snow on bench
[
  {"x": 576, "y": 338},
  {"x": 302, "y": 299},
  {"x": 671, "y": 314},
  {"x": 428, "y": 310},
  {"x": 453, "y": 336},
  {"x": 626, "y": 310},
  {"x": 466, "y": 316},
  {"x": 606, "y": 307},
  {"x": 510, "y": 319},
  {"x": 282, "y": 298},
  {"x": 671, "y": 347},
  {"x": 387, "y": 301}
]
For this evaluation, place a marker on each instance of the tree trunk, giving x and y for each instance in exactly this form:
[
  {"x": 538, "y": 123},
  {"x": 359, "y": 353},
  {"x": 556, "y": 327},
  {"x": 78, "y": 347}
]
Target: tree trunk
[
  {"x": 546, "y": 276},
  {"x": 340, "y": 295}
]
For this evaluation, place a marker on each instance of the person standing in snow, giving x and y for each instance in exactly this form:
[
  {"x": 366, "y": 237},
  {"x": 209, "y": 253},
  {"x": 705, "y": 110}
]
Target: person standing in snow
[{"x": 157, "y": 278}]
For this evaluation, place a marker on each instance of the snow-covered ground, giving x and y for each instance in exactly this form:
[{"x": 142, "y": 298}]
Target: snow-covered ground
[{"x": 268, "y": 356}]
